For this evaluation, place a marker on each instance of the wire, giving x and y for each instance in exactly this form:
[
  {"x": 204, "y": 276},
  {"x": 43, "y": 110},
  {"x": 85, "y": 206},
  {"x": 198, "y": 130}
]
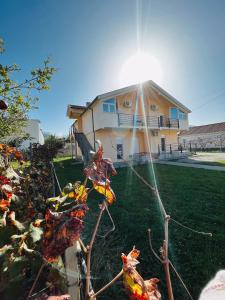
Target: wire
[
  {"x": 210, "y": 99},
  {"x": 181, "y": 280}
]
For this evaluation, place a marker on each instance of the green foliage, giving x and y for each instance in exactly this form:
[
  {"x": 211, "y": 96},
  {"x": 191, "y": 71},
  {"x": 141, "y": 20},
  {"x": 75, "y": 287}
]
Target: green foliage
[{"x": 18, "y": 95}]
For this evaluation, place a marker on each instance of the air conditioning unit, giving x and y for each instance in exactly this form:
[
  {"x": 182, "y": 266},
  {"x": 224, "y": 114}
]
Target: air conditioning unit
[
  {"x": 127, "y": 103},
  {"x": 154, "y": 132},
  {"x": 154, "y": 107}
]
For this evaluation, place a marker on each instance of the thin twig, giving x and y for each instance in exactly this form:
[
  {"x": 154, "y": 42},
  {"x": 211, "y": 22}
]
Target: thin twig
[
  {"x": 107, "y": 285},
  {"x": 21, "y": 85},
  {"x": 189, "y": 228},
  {"x": 150, "y": 244},
  {"x": 113, "y": 224},
  {"x": 41, "y": 291},
  {"x": 36, "y": 279},
  {"x": 82, "y": 245},
  {"x": 90, "y": 249},
  {"x": 179, "y": 277}
]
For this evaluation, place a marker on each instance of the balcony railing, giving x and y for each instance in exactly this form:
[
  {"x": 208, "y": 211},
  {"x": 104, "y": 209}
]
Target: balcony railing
[{"x": 128, "y": 120}]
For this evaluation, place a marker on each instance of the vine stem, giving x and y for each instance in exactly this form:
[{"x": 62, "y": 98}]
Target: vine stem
[
  {"x": 36, "y": 279},
  {"x": 107, "y": 285},
  {"x": 90, "y": 249}
]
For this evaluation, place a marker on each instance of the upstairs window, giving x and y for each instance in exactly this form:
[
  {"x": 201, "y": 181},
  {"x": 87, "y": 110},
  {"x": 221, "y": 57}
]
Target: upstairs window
[
  {"x": 175, "y": 113},
  {"x": 182, "y": 115},
  {"x": 109, "y": 106}
]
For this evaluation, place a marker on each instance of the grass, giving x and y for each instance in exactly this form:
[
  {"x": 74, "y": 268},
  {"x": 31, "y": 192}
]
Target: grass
[
  {"x": 194, "y": 197},
  {"x": 219, "y": 163}
]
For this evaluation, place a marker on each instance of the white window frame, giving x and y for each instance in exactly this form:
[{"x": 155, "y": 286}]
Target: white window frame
[{"x": 109, "y": 105}]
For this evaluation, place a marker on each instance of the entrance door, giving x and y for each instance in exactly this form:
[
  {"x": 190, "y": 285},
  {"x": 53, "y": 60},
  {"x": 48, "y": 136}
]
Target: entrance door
[
  {"x": 119, "y": 147},
  {"x": 163, "y": 144}
]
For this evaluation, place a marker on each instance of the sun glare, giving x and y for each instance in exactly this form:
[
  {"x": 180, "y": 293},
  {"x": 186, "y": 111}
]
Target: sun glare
[{"x": 141, "y": 67}]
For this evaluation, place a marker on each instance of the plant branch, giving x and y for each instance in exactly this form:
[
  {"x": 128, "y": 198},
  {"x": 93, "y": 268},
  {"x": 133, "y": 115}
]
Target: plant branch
[
  {"x": 36, "y": 280},
  {"x": 83, "y": 246},
  {"x": 189, "y": 228},
  {"x": 21, "y": 85},
  {"x": 90, "y": 249},
  {"x": 107, "y": 285},
  {"x": 113, "y": 224},
  {"x": 150, "y": 244}
]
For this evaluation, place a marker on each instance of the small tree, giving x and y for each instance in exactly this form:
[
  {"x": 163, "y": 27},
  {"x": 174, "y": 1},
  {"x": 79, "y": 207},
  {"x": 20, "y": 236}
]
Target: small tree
[
  {"x": 54, "y": 144},
  {"x": 17, "y": 96},
  {"x": 220, "y": 141}
]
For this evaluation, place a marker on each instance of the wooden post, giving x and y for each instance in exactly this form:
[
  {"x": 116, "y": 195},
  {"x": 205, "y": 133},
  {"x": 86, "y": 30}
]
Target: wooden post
[
  {"x": 164, "y": 255},
  {"x": 72, "y": 271}
]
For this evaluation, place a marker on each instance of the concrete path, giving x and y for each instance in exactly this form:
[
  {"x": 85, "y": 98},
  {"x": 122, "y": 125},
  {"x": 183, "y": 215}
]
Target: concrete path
[{"x": 198, "y": 166}]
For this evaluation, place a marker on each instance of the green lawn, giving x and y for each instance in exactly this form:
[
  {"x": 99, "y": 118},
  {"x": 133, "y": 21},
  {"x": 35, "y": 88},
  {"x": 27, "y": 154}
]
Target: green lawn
[{"x": 194, "y": 197}]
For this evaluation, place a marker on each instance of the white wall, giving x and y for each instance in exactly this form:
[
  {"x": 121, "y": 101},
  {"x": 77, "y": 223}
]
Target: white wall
[
  {"x": 35, "y": 133},
  {"x": 207, "y": 140},
  {"x": 101, "y": 119}
]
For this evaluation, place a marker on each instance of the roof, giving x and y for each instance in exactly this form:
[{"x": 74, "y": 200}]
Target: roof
[
  {"x": 78, "y": 108},
  {"x": 210, "y": 128},
  {"x": 130, "y": 88}
]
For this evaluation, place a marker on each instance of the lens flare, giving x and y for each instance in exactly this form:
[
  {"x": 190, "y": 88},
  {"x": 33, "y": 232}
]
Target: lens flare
[{"x": 139, "y": 68}]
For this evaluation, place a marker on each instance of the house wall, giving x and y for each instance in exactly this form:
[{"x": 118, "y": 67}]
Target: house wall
[
  {"x": 107, "y": 128},
  {"x": 35, "y": 133},
  {"x": 207, "y": 140},
  {"x": 141, "y": 105},
  {"x": 109, "y": 138},
  {"x": 130, "y": 138}
]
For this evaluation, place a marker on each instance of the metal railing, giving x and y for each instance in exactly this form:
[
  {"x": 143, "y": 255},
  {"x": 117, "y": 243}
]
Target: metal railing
[
  {"x": 173, "y": 147},
  {"x": 132, "y": 120}
]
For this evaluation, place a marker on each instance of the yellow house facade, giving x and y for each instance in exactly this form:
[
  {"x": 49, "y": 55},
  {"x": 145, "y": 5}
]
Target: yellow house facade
[{"x": 130, "y": 122}]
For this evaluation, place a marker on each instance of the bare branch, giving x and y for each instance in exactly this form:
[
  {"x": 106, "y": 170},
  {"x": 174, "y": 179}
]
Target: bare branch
[
  {"x": 107, "y": 285},
  {"x": 151, "y": 247}
]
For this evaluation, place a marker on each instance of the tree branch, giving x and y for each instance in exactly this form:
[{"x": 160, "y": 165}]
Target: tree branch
[
  {"x": 90, "y": 249},
  {"x": 107, "y": 285}
]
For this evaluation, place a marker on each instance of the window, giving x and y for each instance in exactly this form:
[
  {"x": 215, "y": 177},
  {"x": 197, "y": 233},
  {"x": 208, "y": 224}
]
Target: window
[
  {"x": 109, "y": 106},
  {"x": 177, "y": 114},
  {"x": 173, "y": 113},
  {"x": 182, "y": 115}
]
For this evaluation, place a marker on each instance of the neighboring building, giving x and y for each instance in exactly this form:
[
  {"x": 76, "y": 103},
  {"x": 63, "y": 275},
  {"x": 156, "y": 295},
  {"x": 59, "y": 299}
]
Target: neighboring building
[
  {"x": 209, "y": 136},
  {"x": 130, "y": 121},
  {"x": 36, "y": 136}
]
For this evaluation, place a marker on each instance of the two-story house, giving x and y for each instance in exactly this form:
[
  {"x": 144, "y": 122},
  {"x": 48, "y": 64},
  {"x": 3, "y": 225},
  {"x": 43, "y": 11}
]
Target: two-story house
[{"x": 130, "y": 121}]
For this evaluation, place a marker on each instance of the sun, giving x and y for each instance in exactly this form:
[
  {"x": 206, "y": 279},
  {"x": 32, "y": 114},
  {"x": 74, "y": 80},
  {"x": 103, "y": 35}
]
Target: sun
[{"x": 141, "y": 67}]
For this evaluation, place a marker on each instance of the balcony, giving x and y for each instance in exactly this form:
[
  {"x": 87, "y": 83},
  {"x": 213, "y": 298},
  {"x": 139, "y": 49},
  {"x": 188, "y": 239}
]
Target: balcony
[{"x": 139, "y": 121}]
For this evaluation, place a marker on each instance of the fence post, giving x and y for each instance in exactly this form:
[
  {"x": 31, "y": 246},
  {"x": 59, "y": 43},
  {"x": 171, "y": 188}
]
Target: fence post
[
  {"x": 170, "y": 149},
  {"x": 158, "y": 149},
  {"x": 190, "y": 147},
  {"x": 72, "y": 271}
]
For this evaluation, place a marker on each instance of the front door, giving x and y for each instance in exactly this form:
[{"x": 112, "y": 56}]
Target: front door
[
  {"x": 163, "y": 144},
  {"x": 119, "y": 147}
]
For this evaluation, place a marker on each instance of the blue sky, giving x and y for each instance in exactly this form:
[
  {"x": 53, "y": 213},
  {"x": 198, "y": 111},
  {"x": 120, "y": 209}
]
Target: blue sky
[{"x": 89, "y": 41}]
